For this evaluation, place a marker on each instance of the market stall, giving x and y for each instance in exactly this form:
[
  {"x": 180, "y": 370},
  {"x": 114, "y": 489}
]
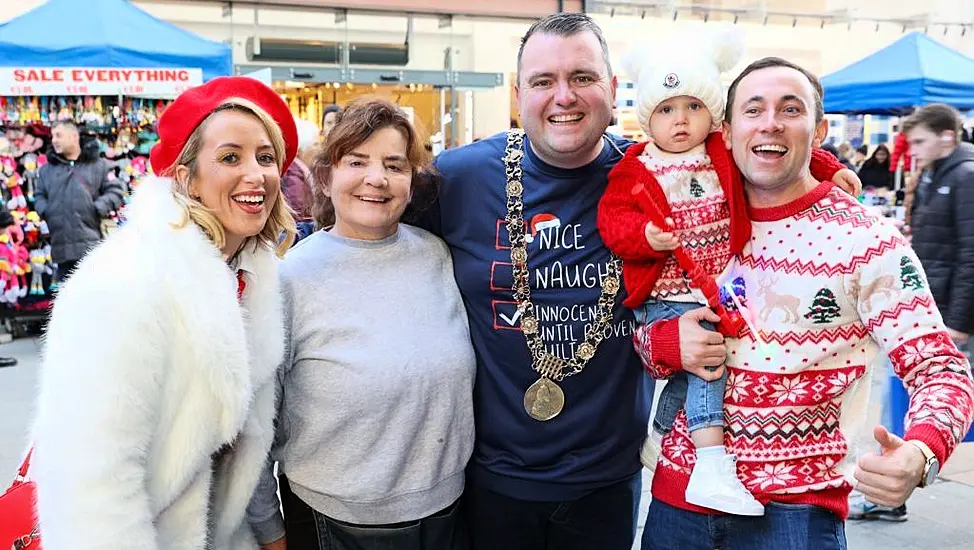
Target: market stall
[
  {"x": 112, "y": 75},
  {"x": 915, "y": 70}
]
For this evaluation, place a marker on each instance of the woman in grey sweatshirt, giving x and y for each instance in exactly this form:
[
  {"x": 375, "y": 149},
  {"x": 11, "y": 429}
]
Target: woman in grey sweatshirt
[{"x": 375, "y": 415}]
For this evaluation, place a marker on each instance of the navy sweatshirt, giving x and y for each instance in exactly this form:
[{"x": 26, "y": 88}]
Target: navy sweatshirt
[{"x": 595, "y": 441}]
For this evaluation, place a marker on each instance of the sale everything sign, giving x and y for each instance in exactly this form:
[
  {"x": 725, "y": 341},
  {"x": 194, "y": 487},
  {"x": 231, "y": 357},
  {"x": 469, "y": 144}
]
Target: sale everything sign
[{"x": 21, "y": 81}]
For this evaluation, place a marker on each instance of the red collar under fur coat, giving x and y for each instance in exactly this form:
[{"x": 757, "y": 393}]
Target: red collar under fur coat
[{"x": 625, "y": 209}]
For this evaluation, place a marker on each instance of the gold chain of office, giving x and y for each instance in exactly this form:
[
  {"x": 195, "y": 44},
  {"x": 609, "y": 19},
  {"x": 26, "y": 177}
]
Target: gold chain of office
[{"x": 544, "y": 400}]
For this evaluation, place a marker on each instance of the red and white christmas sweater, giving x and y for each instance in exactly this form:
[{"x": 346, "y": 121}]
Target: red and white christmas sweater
[
  {"x": 830, "y": 286},
  {"x": 701, "y": 191}
]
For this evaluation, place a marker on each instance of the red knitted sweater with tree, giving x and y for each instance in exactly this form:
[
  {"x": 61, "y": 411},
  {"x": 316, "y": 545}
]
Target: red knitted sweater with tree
[
  {"x": 830, "y": 287},
  {"x": 634, "y": 197}
]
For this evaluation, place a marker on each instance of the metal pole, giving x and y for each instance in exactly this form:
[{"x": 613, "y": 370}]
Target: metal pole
[
  {"x": 448, "y": 66},
  {"x": 443, "y": 117},
  {"x": 453, "y": 111},
  {"x": 346, "y": 54}
]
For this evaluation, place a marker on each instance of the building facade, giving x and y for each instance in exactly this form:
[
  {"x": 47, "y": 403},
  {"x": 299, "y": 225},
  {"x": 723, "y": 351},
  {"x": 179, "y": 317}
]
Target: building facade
[{"x": 452, "y": 62}]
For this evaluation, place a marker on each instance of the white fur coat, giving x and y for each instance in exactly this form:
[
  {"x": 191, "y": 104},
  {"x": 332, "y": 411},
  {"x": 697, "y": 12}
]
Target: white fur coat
[{"x": 150, "y": 366}]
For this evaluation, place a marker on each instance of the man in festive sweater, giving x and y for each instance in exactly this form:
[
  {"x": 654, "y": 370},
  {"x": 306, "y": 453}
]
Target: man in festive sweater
[
  {"x": 557, "y": 468},
  {"x": 828, "y": 287}
]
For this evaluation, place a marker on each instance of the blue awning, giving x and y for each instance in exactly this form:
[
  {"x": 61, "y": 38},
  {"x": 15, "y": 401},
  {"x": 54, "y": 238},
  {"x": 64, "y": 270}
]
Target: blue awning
[
  {"x": 106, "y": 33},
  {"x": 915, "y": 70}
]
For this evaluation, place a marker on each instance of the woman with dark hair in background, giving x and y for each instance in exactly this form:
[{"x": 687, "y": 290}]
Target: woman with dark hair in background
[
  {"x": 328, "y": 120},
  {"x": 875, "y": 171}
]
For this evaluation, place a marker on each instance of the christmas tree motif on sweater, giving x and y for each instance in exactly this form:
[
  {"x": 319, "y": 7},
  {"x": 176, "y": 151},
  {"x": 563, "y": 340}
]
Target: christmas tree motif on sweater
[
  {"x": 909, "y": 275},
  {"x": 695, "y": 188},
  {"x": 824, "y": 307}
]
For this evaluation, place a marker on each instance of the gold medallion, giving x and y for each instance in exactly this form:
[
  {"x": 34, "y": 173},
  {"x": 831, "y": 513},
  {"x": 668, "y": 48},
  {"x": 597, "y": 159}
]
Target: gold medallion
[{"x": 544, "y": 400}]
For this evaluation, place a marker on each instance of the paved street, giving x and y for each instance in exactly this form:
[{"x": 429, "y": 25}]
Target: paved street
[
  {"x": 17, "y": 391},
  {"x": 940, "y": 516}
]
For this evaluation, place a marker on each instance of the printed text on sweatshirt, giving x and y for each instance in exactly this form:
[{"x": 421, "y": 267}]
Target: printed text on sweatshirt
[{"x": 831, "y": 286}]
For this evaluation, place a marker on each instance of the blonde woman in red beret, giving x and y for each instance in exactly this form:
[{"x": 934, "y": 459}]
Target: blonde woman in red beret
[{"x": 156, "y": 406}]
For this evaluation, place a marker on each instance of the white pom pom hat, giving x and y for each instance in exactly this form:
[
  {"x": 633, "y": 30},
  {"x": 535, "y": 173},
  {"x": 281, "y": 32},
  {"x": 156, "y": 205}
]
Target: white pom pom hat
[{"x": 691, "y": 69}]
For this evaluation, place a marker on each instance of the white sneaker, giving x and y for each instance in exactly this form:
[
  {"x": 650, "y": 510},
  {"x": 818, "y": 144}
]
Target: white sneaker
[
  {"x": 714, "y": 484},
  {"x": 650, "y": 451}
]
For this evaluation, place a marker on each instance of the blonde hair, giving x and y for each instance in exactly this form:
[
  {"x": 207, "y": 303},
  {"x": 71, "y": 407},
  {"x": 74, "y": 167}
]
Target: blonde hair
[{"x": 279, "y": 224}]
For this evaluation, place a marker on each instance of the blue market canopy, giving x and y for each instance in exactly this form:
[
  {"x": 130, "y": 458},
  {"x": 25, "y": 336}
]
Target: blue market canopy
[
  {"x": 915, "y": 70},
  {"x": 108, "y": 34}
]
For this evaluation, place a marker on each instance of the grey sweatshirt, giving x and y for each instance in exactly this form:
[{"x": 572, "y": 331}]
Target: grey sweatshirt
[{"x": 375, "y": 415}]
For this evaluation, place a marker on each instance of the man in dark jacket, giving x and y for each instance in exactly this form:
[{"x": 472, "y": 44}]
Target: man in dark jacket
[
  {"x": 74, "y": 193},
  {"x": 943, "y": 214},
  {"x": 942, "y": 224}
]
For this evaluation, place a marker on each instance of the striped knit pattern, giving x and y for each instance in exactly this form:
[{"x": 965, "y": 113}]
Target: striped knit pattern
[
  {"x": 830, "y": 288},
  {"x": 700, "y": 212}
]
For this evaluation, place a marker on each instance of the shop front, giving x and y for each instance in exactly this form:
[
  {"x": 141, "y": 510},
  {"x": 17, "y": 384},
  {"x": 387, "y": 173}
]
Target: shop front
[{"x": 439, "y": 102}]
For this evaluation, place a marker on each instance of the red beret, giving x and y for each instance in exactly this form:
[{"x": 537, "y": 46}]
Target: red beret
[{"x": 192, "y": 106}]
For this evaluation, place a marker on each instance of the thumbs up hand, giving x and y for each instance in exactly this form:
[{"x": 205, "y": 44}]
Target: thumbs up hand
[{"x": 889, "y": 478}]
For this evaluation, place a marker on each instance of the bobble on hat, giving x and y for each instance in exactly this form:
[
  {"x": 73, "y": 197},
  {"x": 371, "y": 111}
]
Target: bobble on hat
[{"x": 662, "y": 71}]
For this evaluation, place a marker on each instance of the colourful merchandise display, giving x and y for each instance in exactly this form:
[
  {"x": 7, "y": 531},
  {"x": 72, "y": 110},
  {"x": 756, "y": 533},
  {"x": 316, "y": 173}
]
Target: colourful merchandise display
[{"x": 125, "y": 130}]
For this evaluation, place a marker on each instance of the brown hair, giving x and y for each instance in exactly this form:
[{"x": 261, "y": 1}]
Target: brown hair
[
  {"x": 937, "y": 117},
  {"x": 357, "y": 123},
  {"x": 768, "y": 63},
  {"x": 279, "y": 231},
  {"x": 565, "y": 24}
]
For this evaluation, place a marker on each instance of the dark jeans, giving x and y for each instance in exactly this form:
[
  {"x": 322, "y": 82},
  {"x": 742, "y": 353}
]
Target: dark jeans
[
  {"x": 782, "y": 527},
  {"x": 306, "y": 529},
  {"x": 702, "y": 400},
  {"x": 602, "y": 520}
]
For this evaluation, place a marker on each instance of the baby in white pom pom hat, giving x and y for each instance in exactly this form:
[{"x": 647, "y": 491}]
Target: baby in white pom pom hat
[
  {"x": 687, "y": 81},
  {"x": 681, "y": 189}
]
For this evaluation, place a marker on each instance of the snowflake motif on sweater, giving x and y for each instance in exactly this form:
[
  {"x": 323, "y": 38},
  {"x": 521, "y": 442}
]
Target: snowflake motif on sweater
[{"x": 831, "y": 286}]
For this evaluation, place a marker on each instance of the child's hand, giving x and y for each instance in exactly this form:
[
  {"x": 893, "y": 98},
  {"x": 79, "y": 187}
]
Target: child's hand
[
  {"x": 848, "y": 181},
  {"x": 660, "y": 240}
]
